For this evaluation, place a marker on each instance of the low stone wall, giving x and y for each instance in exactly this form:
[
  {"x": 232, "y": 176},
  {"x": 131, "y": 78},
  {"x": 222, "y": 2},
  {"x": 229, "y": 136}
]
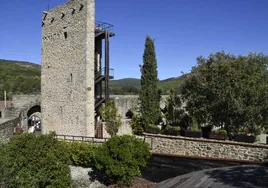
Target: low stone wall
[
  {"x": 206, "y": 148},
  {"x": 7, "y": 129}
]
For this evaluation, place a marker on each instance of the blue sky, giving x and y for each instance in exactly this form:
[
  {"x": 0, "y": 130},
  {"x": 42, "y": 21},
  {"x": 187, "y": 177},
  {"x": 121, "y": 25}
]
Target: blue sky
[{"x": 182, "y": 29}]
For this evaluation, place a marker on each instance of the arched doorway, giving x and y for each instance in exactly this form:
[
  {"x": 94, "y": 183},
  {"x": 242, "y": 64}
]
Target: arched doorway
[{"x": 34, "y": 119}]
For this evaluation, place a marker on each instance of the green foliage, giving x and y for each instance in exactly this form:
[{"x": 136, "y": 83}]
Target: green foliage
[
  {"x": 171, "y": 84},
  {"x": 155, "y": 127},
  {"x": 171, "y": 130},
  {"x": 149, "y": 95},
  {"x": 126, "y": 86},
  {"x": 81, "y": 153},
  {"x": 122, "y": 158},
  {"x": 175, "y": 128},
  {"x": 173, "y": 111},
  {"x": 220, "y": 131},
  {"x": 112, "y": 119},
  {"x": 19, "y": 78},
  {"x": 228, "y": 91},
  {"x": 137, "y": 125},
  {"x": 131, "y": 86},
  {"x": 194, "y": 128},
  {"x": 35, "y": 161}
]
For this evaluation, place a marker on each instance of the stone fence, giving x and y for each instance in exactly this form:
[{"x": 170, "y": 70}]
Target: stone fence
[
  {"x": 207, "y": 149},
  {"x": 7, "y": 129}
]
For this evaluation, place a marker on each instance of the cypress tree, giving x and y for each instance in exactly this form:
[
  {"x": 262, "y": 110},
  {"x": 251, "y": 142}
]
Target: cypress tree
[{"x": 149, "y": 94}]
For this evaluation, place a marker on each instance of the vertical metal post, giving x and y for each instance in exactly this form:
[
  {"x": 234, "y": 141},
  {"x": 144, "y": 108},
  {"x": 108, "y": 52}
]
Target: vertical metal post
[{"x": 106, "y": 71}]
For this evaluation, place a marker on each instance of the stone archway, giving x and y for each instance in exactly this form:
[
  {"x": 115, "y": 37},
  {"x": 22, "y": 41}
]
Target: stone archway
[{"x": 34, "y": 119}]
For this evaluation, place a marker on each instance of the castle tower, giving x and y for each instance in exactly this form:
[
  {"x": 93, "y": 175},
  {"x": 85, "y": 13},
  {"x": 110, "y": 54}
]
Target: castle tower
[{"x": 67, "y": 80}]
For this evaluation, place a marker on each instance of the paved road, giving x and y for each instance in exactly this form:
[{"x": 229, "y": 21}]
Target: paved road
[{"x": 244, "y": 176}]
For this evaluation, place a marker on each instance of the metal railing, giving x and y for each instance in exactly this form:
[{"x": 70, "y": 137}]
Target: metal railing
[
  {"x": 102, "y": 73},
  {"x": 103, "y": 26}
]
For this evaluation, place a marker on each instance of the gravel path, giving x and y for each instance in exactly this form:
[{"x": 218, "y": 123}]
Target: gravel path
[{"x": 81, "y": 178}]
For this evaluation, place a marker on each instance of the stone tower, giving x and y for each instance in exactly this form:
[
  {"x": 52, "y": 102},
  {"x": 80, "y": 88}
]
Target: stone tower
[{"x": 67, "y": 81}]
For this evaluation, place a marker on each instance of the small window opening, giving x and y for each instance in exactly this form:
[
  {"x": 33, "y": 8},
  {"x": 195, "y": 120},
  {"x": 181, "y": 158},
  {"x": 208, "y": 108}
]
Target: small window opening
[
  {"x": 62, "y": 15},
  {"x": 65, "y": 35},
  {"x": 0, "y": 114},
  {"x": 73, "y": 10},
  {"x": 71, "y": 78},
  {"x": 81, "y": 7},
  {"x": 52, "y": 20}
]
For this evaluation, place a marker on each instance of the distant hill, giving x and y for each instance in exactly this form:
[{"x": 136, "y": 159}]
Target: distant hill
[
  {"x": 132, "y": 85},
  {"x": 18, "y": 77}
]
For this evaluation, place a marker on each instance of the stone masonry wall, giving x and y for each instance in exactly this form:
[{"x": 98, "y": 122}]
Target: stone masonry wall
[
  {"x": 67, "y": 78},
  {"x": 204, "y": 148},
  {"x": 7, "y": 128}
]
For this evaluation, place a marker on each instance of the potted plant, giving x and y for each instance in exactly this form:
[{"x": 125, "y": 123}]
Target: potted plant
[
  {"x": 153, "y": 129},
  {"x": 193, "y": 131},
  {"x": 244, "y": 135},
  {"x": 220, "y": 134},
  {"x": 172, "y": 130}
]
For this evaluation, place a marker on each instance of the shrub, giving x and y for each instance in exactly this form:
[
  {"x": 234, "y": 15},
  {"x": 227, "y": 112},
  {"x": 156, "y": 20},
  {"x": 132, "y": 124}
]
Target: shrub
[
  {"x": 137, "y": 125},
  {"x": 194, "y": 128},
  {"x": 121, "y": 158},
  {"x": 35, "y": 161},
  {"x": 111, "y": 116},
  {"x": 171, "y": 130},
  {"x": 81, "y": 153},
  {"x": 220, "y": 131}
]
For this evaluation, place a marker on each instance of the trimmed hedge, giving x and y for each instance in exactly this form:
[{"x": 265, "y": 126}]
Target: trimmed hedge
[
  {"x": 35, "y": 161},
  {"x": 121, "y": 158}
]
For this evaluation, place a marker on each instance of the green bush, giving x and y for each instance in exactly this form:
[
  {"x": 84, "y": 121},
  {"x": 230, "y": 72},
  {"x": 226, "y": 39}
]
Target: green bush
[
  {"x": 35, "y": 161},
  {"x": 194, "y": 128},
  {"x": 171, "y": 130},
  {"x": 121, "y": 158},
  {"x": 81, "y": 153},
  {"x": 137, "y": 125}
]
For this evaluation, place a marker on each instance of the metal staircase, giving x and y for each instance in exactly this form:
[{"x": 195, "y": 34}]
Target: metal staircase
[{"x": 103, "y": 73}]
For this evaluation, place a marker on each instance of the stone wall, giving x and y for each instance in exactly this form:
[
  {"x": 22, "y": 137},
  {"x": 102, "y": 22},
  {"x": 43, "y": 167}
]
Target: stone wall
[
  {"x": 67, "y": 77},
  {"x": 125, "y": 102},
  {"x": 7, "y": 129},
  {"x": 210, "y": 149}
]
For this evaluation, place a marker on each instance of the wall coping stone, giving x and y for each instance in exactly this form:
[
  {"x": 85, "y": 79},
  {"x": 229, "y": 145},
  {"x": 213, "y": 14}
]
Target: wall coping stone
[
  {"x": 207, "y": 140},
  {"x": 210, "y": 158}
]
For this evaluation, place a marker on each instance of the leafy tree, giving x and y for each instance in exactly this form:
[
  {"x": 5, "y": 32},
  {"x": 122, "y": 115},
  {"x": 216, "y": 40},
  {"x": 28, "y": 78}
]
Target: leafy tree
[
  {"x": 149, "y": 94},
  {"x": 228, "y": 91},
  {"x": 112, "y": 119}
]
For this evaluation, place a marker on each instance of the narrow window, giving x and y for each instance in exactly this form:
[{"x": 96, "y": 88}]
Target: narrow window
[
  {"x": 65, "y": 35},
  {"x": 52, "y": 20},
  {"x": 62, "y": 15},
  {"x": 71, "y": 78}
]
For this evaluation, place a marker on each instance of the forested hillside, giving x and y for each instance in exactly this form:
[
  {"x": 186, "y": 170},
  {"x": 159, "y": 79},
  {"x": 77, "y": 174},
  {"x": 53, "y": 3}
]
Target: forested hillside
[
  {"x": 17, "y": 77},
  {"x": 131, "y": 86}
]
